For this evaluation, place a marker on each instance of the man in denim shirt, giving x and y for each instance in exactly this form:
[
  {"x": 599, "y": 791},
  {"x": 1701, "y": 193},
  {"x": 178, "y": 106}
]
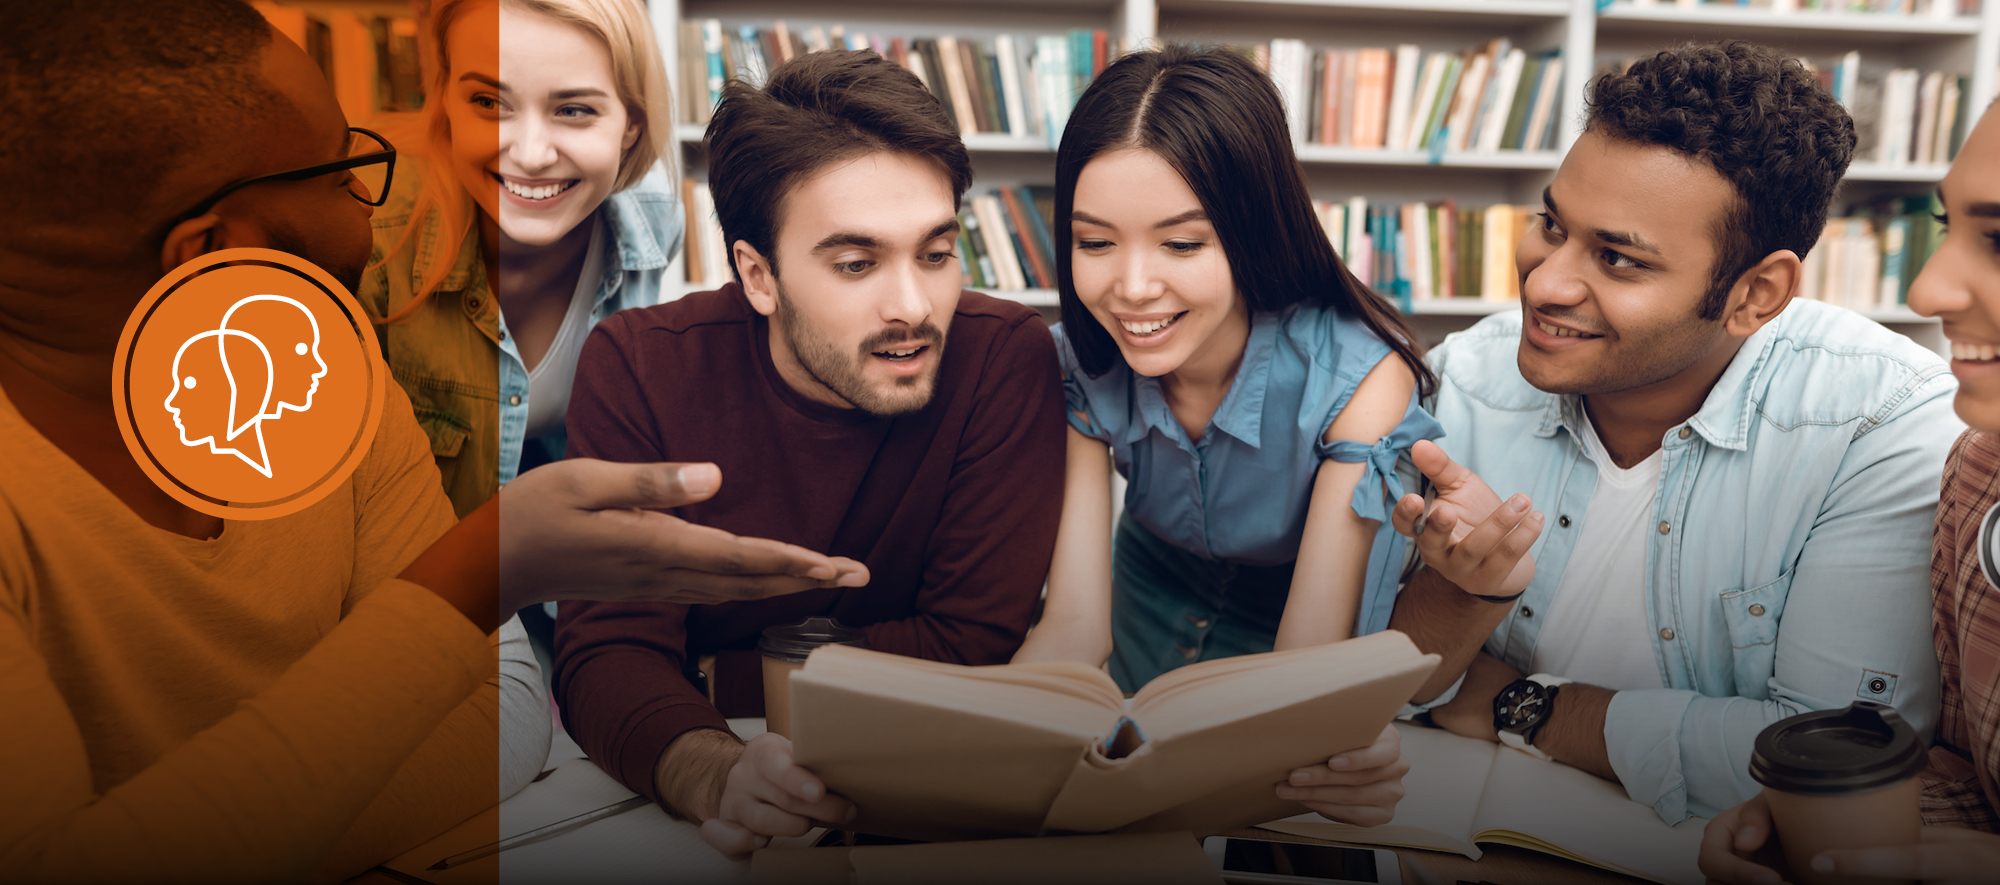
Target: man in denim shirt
[{"x": 1734, "y": 491}]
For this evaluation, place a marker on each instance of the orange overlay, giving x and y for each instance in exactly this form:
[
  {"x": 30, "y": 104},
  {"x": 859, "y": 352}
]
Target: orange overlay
[{"x": 247, "y": 384}]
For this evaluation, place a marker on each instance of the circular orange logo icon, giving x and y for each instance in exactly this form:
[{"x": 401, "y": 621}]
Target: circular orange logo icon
[{"x": 248, "y": 384}]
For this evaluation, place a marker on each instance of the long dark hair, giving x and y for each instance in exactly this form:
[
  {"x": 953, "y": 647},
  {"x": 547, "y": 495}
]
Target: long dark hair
[{"x": 1218, "y": 121}]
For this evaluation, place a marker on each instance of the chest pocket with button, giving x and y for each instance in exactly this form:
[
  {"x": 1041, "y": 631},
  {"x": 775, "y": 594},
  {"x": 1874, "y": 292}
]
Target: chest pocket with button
[{"x": 1752, "y": 618}]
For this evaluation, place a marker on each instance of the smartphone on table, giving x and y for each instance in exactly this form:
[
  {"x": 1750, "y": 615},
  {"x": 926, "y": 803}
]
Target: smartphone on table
[{"x": 1268, "y": 862}]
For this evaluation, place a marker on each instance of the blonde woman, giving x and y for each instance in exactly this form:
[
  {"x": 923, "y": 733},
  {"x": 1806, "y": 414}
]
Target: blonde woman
[{"x": 538, "y": 207}]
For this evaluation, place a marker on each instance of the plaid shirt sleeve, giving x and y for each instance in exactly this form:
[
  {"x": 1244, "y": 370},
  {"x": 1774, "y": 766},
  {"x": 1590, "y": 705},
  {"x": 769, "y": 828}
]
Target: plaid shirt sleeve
[{"x": 1960, "y": 785}]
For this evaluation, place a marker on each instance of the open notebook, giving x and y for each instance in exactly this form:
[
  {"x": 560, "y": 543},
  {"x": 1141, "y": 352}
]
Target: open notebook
[
  {"x": 936, "y": 751},
  {"x": 1461, "y": 791}
]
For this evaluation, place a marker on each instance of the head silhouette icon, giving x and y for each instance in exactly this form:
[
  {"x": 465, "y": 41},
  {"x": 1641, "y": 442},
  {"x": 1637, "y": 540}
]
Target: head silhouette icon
[
  {"x": 222, "y": 382},
  {"x": 291, "y": 333}
]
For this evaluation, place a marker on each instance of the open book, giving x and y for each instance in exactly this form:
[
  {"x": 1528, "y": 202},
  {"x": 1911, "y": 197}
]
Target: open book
[
  {"x": 1462, "y": 791},
  {"x": 938, "y": 752}
]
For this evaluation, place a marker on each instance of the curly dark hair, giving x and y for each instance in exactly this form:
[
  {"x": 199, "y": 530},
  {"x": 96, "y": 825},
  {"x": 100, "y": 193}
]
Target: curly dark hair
[
  {"x": 104, "y": 98},
  {"x": 1760, "y": 119}
]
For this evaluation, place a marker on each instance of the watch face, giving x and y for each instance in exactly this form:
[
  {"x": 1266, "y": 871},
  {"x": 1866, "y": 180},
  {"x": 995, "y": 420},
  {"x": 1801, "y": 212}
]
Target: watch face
[{"x": 1520, "y": 705}]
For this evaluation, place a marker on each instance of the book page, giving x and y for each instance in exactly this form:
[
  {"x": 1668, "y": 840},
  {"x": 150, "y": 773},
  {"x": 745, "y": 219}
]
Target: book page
[
  {"x": 1214, "y": 750},
  {"x": 1200, "y": 695},
  {"x": 1551, "y": 807},
  {"x": 1065, "y": 695},
  {"x": 936, "y": 751},
  {"x": 1441, "y": 795}
]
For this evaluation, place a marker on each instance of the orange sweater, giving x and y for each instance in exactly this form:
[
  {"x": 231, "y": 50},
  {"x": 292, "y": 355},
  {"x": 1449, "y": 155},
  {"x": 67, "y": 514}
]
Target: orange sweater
[{"x": 241, "y": 708}]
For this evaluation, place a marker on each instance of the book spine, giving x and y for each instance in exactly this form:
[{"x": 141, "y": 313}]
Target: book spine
[
  {"x": 1514, "y": 136},
  {"x": 1433, "y": 131},
  {"x": 1027, "y": 262},
  {"x": 1006, "y": 264},
  {"x": 691, "y": 247},
  {"x": 953, "y": 65},
  {"x": 1008, "y": 63},
  {"x": 982, "y": 268},
  {"x": 1034, "y": 243},
  {"x": 1894, "y": 237},
  {"x": 1402, "y": 94},
  {"x": 1421, "y": 101},
  {"x": 1465, "y": 105},
  {"x": 1494, "y": 118},
  {"x": 1539, "y": 130}
]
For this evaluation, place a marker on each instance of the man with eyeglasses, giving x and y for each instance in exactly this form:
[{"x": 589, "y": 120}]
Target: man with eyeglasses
[{"x": 299, "y": 697}]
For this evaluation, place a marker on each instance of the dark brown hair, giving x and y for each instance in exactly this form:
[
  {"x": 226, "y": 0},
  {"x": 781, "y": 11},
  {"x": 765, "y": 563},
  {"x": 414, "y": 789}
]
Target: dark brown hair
[
  {"x": 1757, "y": 117},
  {"x": 819, "y": 108},
  {"x": 1216, "y": 119}
]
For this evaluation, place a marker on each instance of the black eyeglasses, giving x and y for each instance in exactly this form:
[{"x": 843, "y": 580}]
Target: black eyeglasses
[{"x": 371, "y": 161}]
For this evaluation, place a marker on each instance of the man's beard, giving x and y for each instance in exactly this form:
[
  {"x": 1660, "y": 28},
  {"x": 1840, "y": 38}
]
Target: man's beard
[{"x": 842, "y": 372}]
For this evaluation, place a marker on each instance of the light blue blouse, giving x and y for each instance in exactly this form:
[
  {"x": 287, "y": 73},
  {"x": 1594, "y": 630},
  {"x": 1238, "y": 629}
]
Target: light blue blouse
[{"x": 1240, "y": 494}]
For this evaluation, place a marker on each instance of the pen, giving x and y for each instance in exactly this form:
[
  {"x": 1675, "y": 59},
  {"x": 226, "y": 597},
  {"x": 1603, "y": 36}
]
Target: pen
[{"x": 561, "y": 826}]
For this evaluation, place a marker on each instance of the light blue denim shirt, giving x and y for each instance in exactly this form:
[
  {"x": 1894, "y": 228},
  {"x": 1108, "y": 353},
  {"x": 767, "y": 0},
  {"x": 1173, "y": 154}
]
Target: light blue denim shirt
[
  {"x": 643, "y": 224},
  {"x": 1240, "y": 493},
  {"x": 453, "y": 354},
  {"x": 1790, "y": 568}
]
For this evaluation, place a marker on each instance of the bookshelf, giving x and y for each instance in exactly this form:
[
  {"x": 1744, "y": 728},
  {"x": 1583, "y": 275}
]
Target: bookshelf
[
  {"x": 1589, "y": 39},
  {"x": 367, "y": 49}
]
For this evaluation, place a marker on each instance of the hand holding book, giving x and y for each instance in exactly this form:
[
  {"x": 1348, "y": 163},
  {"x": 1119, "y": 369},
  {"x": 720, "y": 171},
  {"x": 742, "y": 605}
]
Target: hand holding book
[{"x": 1360, "y": 787}]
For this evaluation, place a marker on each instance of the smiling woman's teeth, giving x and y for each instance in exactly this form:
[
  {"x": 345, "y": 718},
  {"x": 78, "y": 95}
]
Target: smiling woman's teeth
[
  {"x": 537, "y": 193},
  {"x": 1150, "y": 328},
  {"x": 1560, "y": 332},
  {"x": 1975, "y": 353}
]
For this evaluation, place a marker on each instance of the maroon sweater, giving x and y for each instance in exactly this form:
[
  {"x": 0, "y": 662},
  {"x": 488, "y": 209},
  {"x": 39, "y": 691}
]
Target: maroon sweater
[{"x": 953, "y": 508}]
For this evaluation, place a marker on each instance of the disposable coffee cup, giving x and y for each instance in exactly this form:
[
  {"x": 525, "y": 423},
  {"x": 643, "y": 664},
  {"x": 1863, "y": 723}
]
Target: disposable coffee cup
[
  {"x": 1840, "y": 779},
  {"x": 785, "y": 649}
]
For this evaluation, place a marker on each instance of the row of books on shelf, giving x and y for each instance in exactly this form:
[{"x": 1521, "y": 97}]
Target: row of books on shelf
[
  {"x": 1416, "y": 252},
  {"x": 1922, "y": 8},
  {"x": 1486, "y": 98},
  {"x": 371, "y": 60},
  {"x": 1014, "y": 85},
  {"x": 1419, "y": 251},
  {"x": 1409, "y": 252},
  {"x": 1902, "y": 116},
  {"x": 1867, "y": 259}
]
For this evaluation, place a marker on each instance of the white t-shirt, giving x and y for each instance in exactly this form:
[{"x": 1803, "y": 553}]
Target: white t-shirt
[
  {"x": 550, "y": 380},
  {"x": 1595, "y": 629}
]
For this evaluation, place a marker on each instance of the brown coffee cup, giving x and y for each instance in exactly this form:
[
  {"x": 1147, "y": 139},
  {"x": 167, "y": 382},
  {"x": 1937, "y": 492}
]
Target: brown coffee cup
[
  {"x": 1840, "y": 779},
  {"x": 785, "y": 649}
]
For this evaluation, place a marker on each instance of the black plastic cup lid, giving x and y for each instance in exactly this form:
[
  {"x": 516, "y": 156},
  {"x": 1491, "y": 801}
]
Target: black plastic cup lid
[
  {"x": 1865, "y": 747},
  {"x": 792, "y": 642}
]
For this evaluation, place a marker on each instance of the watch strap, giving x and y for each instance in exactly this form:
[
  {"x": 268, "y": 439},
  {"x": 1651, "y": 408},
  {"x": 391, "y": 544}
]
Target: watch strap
[{"x": 1519, "y": 742}]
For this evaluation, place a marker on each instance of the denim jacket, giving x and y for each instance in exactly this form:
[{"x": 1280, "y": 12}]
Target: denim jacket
[
  {"x": 454, "y": 355},
  {"x": 1790, "y": 569}
]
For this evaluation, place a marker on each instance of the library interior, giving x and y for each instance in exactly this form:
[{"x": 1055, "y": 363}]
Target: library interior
[{"x": 1427, "y": 131}]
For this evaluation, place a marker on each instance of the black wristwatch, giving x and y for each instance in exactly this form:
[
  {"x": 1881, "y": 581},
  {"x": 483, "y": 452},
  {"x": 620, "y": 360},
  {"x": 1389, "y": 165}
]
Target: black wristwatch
[{"x": 1520, "y": 709}]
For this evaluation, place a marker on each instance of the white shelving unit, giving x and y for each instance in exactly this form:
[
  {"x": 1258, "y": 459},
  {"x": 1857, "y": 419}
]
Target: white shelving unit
[{"x": 1962, "y": 45}]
